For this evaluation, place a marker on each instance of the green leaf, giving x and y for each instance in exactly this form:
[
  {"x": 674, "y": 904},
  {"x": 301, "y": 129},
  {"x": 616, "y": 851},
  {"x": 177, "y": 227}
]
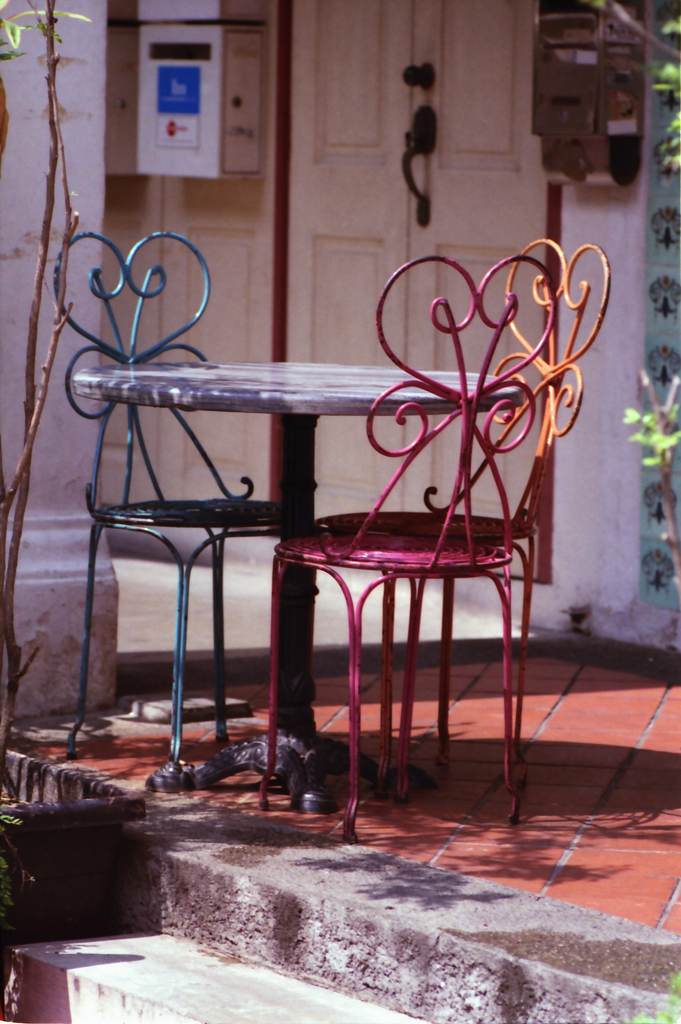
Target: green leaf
[
  {"x": 13, "y": 34},
  {"x": 57, "y": 14},
  {"x": 631, "y": 416},
  {"x": 672, "y": 26}
]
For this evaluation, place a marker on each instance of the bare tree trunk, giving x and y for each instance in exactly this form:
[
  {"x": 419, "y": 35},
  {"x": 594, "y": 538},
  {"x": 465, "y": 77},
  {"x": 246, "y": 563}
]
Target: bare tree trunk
[{"x": 35, "y": 397}]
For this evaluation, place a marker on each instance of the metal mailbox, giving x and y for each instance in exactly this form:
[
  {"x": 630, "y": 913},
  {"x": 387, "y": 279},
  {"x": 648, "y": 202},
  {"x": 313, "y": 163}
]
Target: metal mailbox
[
  {"x": 588, "y": 92},
  {"x": 200, "y": 100}
]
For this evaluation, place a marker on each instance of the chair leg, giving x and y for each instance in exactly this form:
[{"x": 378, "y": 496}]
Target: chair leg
[
  {"x": 417, "y": 589},
  {"x": 386, "y": 687},
  {"x": 528, "y": 581},
  {"x": 217, "y": 553},
  {"x": 181, "y": 617},
  {"x": 355, "y": 702},
  {"x": 505, "y": 595},
  {"x": 95, "y": 534},
  {"x": 278, "y": 570},
  {"x": 445, "y": 671}
]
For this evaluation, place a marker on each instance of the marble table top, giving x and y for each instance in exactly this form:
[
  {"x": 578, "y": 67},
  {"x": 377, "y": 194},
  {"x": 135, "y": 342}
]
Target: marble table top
[{"x": 308, "y": 388}]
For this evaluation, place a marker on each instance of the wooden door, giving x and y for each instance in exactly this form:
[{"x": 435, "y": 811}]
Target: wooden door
[{"x": 353, "y": 220}]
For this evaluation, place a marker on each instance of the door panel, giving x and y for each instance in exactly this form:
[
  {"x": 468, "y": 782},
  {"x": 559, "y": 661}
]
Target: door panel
[
  {"x": 477, "y": 97},
  {"x": 348, "y": 205},
  {"x": 349, "y": 110},
  {"x": 229, "y": 222},
  {"x": 353, "y": 221}
]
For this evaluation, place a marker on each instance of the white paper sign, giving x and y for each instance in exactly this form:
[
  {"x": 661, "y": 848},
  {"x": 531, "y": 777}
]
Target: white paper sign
[{"x": 177, "y": 131}]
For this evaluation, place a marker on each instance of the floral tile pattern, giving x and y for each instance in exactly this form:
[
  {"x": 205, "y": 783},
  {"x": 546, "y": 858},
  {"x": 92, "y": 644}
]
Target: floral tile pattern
[{"x": 663, "y": 332}]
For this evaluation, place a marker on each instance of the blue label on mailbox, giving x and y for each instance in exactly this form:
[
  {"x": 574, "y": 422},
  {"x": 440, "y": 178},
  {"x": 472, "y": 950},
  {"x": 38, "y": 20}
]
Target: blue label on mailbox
[{"x": 179, "y": 90}]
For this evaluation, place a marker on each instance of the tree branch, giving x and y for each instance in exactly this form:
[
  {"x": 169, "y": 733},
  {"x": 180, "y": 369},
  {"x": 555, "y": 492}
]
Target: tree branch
[
  {"x": 616, "y": 9},
  {"x": 35, "y": 395}
]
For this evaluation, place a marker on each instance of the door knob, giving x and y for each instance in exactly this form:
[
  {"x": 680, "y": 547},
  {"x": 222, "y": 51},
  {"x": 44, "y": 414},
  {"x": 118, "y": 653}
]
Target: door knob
[
  {"x": 420, "y": 142},
  {"x": 423, "y": 75}
]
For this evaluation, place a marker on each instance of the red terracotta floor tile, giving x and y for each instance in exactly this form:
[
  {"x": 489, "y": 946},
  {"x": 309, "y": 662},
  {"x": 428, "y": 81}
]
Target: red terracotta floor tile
[
  {"x": 505, "y": 865},
  {"x": 668, "y": 740},
  {"x": 556, "y": 749},
  {"x": 643, "y": 800},
  {"x": 476, "y": 750},
  {"x": 541, "y": 831},
  {"x": 614, "y": 738},
  {"x": 666, "y": 725},
  {"x": 673, "y": 922},
  {"x": 468, "y": 792},
  {"x": 605, "y": 682},
  {"x": 577, "y": 799},
  {"x": 674, "y": 693},
  {"x": 551, "y": 666},
  {"x": 554, "y": 688},
  {"x": 629, "y": 907},
  {"x": 628, "y": 858},
  {"x": 325, "y": 713},
  {"x": 473, "y": 731},
  {"x": 593, "y": 672},
  {"x": 651, "y": 778},
  {"x": 452, "y": 774},
  {"x": 400, "y": 830},
  {"x": 569, "y": 775},
  {"x": 539, "y": 701},
  {"x": 613, "y": 706},
  {"x": 621, "y": 829},
  {"x": 587, "y": 721},
  {"x": 613, "y": 875}
]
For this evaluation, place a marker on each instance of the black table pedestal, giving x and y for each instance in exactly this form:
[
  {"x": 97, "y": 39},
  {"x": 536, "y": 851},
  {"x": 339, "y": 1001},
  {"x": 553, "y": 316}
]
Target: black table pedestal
[{"x": 303, "y": 758}]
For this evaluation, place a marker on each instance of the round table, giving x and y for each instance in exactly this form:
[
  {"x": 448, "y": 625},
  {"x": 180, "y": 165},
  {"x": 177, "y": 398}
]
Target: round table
[{"x": 301, "y": 392}]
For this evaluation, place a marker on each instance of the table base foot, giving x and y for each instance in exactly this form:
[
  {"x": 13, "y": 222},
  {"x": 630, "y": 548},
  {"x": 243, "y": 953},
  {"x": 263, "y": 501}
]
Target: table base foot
[
  {"x": 301, "y": 771},
  {"x": 173, "y": 777}
]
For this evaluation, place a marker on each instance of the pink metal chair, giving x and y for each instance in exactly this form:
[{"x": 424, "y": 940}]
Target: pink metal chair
[
  {"x": 561, "y": 386},
  {"x": 432, "y": 554}
]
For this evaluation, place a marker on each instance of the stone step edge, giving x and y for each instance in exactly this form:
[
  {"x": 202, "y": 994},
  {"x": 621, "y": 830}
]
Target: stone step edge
[
  {"x": 423, "y": 941},
  {"x": 160, "y": 977}
]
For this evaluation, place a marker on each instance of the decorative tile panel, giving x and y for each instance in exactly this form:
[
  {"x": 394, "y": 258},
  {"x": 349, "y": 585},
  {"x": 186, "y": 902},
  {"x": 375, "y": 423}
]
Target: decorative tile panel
[{"x": 662, "y": 358}]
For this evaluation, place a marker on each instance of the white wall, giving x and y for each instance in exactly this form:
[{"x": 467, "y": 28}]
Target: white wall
[
  {"x": 598, "y": 471},
  {"x": 51, "y": 588}
]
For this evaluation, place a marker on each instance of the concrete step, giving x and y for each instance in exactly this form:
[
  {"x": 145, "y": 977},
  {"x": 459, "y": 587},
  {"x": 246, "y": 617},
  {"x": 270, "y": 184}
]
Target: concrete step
[
  {"x": 196, "y": 707},
  {"x": 159, "y": 979},
  {"x": 415, "y": 939}
]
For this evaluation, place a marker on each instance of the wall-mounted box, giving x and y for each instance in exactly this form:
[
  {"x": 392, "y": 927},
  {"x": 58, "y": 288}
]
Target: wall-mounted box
[
  {"x": 199, "y": 111},
  {"x": 202, "y": 10},
  {"x": 180, "y": 86},
  {"x": 120, "y": 149},
  {"x": 588, "y": 92},
  {"x": 242, "y": 101}
]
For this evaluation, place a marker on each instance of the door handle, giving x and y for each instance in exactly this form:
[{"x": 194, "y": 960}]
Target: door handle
[{"x": 420, "y": 142}]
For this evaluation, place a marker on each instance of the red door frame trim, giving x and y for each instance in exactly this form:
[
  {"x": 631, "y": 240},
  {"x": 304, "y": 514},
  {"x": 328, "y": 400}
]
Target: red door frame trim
[
  {"x": 544, "y": 564},
  {"x": 280, "y": 242}
]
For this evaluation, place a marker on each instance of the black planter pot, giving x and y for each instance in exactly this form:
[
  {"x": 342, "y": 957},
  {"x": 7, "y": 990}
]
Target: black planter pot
[{"x": 68, "y": 842}]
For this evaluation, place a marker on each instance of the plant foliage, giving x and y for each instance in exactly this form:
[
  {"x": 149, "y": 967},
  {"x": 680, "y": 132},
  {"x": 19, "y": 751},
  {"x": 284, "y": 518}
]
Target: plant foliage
[
  {"x": 5, "y": 879},
  {"x": 665, "y": 73},
  {"x": 672, "y": 1013}
]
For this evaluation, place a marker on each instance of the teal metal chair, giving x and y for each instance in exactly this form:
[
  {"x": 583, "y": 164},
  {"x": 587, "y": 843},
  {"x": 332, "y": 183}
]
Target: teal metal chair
[{"x": 236, "y": 515}]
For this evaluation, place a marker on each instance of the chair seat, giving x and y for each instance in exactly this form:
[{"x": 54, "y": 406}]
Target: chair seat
[
  {"x": 393, "y": 553},
  {"x": 426, "y": 524},
  {"x": 220, "y": 513}
]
